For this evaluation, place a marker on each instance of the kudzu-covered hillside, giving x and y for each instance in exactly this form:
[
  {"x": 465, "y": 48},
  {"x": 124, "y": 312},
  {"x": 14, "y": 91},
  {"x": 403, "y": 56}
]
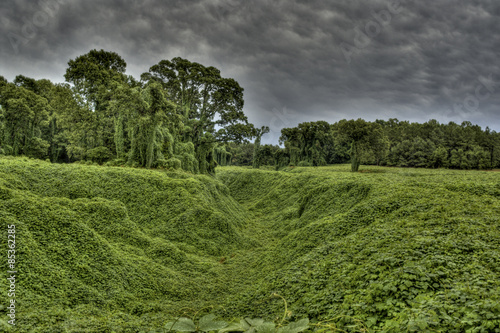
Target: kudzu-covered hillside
[
  {"x": 111, "y": 249},
  {"x": 95, "y": 242},
  {"x": 383, "y": 250}
]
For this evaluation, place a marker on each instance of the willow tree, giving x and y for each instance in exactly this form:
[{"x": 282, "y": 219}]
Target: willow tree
[
  {"x": 222, "y": 155},
  {"x": 211, "y": 106}
]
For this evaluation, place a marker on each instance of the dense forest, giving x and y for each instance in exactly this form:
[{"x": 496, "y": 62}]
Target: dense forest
[
  {"x": 183, "y": 115},
  {"x": 390, "y": 143},
  {"x": 179, "y": 115}
]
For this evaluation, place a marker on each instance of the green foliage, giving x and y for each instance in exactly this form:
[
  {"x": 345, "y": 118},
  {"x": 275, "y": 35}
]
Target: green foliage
[
  {"x": 173, "y": 163},
  {"x": 384, "y": 249},
  {"x": 242, "y": 154},
  {"x": 359, "y": 133},
  {"x": 99, "y": 154},
  {"x": 203, "y": 99},
  {"x": 392, "y": 142},
  {"x": 24, "y": 116},
  {"x": 257, "y": 153},
  {"x": 307, "y": 142},
  {"x": 205, "y": 324},
  {"x": 222, "y": 155},
  {"x": 186, "y": 111},
  {"x": 258, "y": 325},
  {"x": 106, "y": 114},
  {"x": 101, "y": 246},
  {"x": 304, "y": 164},
  {"x": 247, "y": 325}
]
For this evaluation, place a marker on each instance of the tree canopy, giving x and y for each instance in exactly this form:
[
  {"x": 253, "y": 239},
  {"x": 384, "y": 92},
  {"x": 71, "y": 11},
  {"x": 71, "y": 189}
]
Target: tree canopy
[
  {"x": 181, "y": 114},
  {"x": 185, "y": 115}
]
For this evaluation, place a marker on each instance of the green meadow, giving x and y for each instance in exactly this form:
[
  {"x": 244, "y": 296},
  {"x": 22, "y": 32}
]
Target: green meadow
[{"x": 385, "y": 249}]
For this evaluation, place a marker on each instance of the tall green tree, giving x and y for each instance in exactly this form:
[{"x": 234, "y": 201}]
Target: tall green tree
[
  {"x": 358, "y": 133},
  {"x": 149, "y": 120},
  {"x": 95, "y": 77},
  {"x": 309, "y": 143},
  {"x": 24, "y": 115},
  {"x": 211, "y": 106},
  {"x": 257, "y": 160}
]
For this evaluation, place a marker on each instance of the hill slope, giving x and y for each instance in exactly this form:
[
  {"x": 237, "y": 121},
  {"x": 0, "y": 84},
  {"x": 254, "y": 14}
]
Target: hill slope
[
  {"x": 389, "y": 249},
  {"x": 103, "y": 249},
  {"x": 93, "y": 241}
]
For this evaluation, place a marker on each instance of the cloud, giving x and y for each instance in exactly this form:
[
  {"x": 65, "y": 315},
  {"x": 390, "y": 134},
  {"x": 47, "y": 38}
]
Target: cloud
[{"x": 426, "y": 61}]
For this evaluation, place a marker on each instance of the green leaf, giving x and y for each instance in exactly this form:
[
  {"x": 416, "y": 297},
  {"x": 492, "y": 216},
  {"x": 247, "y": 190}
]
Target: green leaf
[
  {"x": 181, "y": 325},
  {"x": 234, "y": 327},
  {"x": 421, "y": 324},
  {"x": 371, "y": 321},
  {"x": 295, "y": 327},
  {"x": 208, "y": 324},
  {"x": 254, "y": 322},
  {"x": 267, "y": 327},
  {"x": 245, "y": 324}
]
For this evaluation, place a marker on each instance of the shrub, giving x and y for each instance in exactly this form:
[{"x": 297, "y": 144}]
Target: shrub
[{"x": 99, "y": 154}]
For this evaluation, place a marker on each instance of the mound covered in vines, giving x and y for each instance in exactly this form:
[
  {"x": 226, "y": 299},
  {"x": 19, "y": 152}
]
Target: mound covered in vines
[
  {"x": 95, "y": 242},
  {"x": 385, "y": 250},
  {"x": 104, "y": 249}
]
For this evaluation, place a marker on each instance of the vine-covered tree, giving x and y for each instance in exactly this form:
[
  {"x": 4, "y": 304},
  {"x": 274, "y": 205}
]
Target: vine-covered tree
[
  {"x": 211, "y": 106},
  {"x": 24, "y": 116},
  {"x": 361, "y": 135},
  {"x": 95, "y": 76},
  {"x": 257, "y": 159},
  {"x": 309, "y": 143},
  {"x": 185, "y": 115}
]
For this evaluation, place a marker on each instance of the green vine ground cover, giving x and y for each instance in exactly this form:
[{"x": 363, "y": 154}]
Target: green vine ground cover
[{"x": 108, "y": 249}]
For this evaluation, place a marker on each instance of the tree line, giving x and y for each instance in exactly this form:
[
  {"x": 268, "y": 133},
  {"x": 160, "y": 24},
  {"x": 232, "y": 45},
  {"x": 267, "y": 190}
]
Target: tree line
[
  {"x": 184, "y": 115},
  {"x": 386, "y": 142}
]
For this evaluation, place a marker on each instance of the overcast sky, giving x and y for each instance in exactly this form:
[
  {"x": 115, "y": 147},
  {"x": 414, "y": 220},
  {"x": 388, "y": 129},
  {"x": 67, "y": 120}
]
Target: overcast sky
[{"x": 297, "y": 60}]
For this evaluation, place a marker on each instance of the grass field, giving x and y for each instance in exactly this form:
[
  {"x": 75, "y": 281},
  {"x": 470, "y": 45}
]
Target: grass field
[{"x": 105, "y": 249}]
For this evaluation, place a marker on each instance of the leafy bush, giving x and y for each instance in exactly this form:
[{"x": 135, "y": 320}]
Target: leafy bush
[
  {"x": 116, "y": 162},
  {"x": 99, "y": 154},
  {"x": 173, "y": 163},
  {"x": 304, "y": 164}
]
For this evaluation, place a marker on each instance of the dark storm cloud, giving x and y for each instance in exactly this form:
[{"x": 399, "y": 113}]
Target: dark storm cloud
[{"x": 297, "y": 60}]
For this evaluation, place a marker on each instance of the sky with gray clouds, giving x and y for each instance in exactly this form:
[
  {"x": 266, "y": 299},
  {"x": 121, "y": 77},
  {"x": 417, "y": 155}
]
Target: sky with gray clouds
[{"x": 297, "y": 60}]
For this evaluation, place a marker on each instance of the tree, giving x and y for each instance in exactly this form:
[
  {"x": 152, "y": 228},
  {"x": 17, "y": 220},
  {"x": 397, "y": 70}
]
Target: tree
[
  {"x": 256, "y": 158},
  {"x": 242, "y": 153},
  {"x": 95, "y": 77},
  {"x": 24, "y": 116},
  {"x": 310, "y": 143},
  {"x": 92, "y": 72},
  {"x": 440, "y": 158},
  {"x": 61, "y": 106},
  {"x": 358, "y": 133},
  {"x": 149, "y": 116},
  {"x": 222, "y": 155},
  {"x": 211, "y": 106}
]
